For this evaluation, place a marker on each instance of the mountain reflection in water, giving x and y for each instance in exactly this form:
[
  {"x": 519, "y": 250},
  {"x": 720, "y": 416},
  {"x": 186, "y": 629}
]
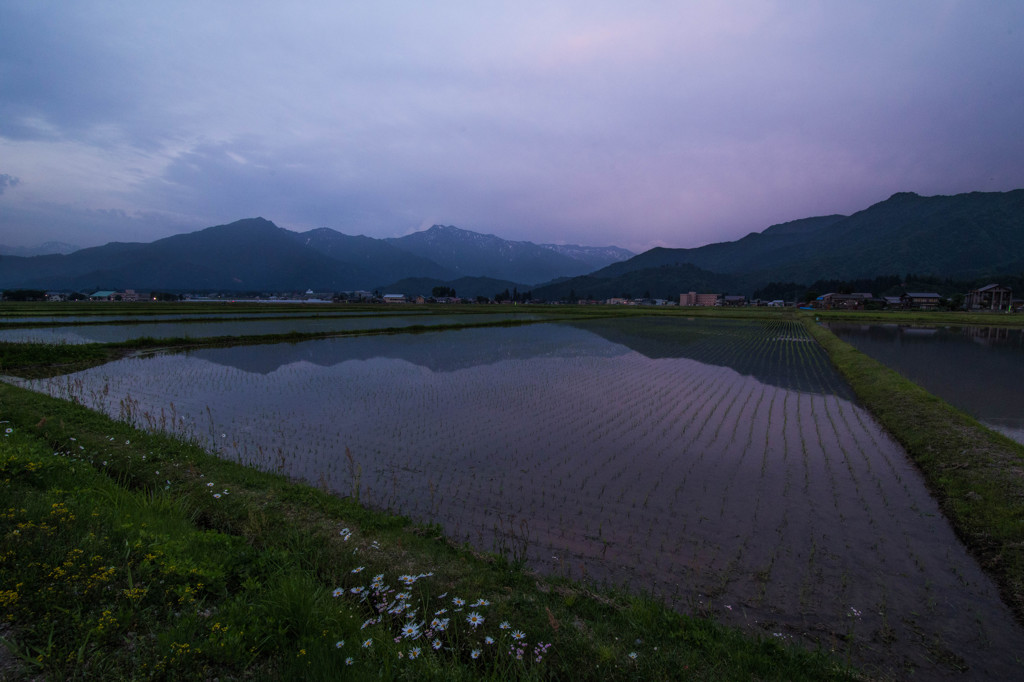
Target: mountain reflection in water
[{"x": 750, "y": 350}]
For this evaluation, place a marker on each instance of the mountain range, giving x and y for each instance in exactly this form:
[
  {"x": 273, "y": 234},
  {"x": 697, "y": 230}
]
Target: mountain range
[
  {"x": 965, "y": 236},
  {"x": 256, "y": 255},
  {"x": 41, "y": 250}
]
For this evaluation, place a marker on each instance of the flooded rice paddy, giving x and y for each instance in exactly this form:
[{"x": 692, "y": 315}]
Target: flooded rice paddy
[
  {"x": 721, "y": 465},
  {"x": 195, "y": 328},
  {"x": 135, "y": 317},
  {"x": 979, "y": 370}
]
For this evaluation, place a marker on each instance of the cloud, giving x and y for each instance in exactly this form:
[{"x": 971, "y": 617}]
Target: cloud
[
  {"x": 32, "y": 223},
  {"x": 596, "y": 122},
  {"x": 7, "y": 181}
]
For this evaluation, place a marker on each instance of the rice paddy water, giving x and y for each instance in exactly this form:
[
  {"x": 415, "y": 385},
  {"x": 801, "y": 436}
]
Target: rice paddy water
[
  {"x": 719, "y": 464},
  {"x": 977, "y": 369}
]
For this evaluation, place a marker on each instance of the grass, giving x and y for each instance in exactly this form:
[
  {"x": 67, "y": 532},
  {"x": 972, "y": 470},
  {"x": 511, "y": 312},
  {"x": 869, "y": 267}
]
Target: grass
[
  {"x": 976, "y": 474},
  {"x": 35, "y": 360},
  {"x": 131, "y": 555},
  {"x": 925, "y": 318}
]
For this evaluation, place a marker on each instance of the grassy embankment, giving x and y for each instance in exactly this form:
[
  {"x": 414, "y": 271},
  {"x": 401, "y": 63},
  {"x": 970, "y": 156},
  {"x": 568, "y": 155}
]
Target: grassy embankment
[
  {"x": 85, "y": 309},
  {"x": 42, "y": 316},
  {"x": 923, "y": 318},
  {"x": 976, "y": 474},
  {"x": 132, "y": 555}
]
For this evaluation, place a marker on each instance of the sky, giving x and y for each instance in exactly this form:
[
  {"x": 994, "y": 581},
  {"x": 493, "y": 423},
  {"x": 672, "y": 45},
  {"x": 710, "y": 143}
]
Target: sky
[{"x": 636, "y": 124}]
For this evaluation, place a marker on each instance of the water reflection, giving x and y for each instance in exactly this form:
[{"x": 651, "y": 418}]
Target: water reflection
[
  {"x": 774, "y": 352},
  {"x": 787, "y": 512},
  {"x": 783, "y": 357},
  {"x": 114, "y": 333},
  {"x": 979, "y": 370},
  {"x": 448, "y": 351}
]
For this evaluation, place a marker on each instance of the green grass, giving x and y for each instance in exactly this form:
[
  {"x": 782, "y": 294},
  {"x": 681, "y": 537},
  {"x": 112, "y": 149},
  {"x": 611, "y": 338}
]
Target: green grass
[
  {"x": 976, "y": 474},
  {"x": 131, "y": 555},
  {"x": 924, "y": 318},
  {"x": 32, "y": 360}
]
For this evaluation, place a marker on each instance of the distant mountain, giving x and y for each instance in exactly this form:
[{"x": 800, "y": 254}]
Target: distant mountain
[
  {"x": 749, "y": 254},
  {"x": 964, "y": 236},
  {"x": 247, "y": 255},
  {"x": 41, "y": 250},
  {"x": 257, "y": 255},
  {"x": 465, "y": 287},
  {"x": 665, "y": 281},
  {"x": 387, "y": 261},
  {"x": 596, "y": 257},
  {"x": 473, "y": 254}
]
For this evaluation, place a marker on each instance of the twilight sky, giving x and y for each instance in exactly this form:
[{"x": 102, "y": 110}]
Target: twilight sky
[{"x": 638, "y": 124}]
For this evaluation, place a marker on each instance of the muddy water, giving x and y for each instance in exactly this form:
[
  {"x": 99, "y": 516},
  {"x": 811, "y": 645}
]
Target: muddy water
[
  {"x": 720, "y": 465},
  {"x": 977, "y": 369}
]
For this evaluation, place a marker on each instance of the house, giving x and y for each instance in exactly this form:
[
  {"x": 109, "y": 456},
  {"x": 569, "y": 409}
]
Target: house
[
  {"x": 394, "y": 298},
  {"x": 693, "y": 298},
  {"x": 990, "y": 297},
  {"x": 893, "y": 301},
  {"x": 102, "y": 295},
  {"x": 920, "y": 300},
  {"x": 853, "y": 301},
  {"x": 734, "y": 300}
]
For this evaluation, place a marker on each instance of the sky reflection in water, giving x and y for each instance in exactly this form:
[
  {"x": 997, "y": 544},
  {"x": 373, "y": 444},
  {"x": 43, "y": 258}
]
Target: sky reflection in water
[{"x": 719, "y": 464}]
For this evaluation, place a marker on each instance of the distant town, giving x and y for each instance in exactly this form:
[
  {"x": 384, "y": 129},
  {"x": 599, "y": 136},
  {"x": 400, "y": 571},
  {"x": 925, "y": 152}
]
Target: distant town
[{"x": 993, "y": 297}]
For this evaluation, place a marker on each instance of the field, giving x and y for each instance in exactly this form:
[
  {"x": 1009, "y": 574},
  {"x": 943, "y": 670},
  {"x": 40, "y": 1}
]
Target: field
[
  {"x": 979, "y": 370},
  {"x": 119, "y": 330},
  {"x": 720, "y": 465},
  {"x": 120, "y": 560}
]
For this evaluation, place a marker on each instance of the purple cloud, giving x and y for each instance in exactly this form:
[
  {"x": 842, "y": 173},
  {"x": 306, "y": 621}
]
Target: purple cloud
[
  {"x": 578, "y": 122},
  {"x": 7, "y": 181}
]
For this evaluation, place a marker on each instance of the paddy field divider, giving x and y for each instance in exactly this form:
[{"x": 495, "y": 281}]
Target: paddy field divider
[{"x": 975, "y": 473}]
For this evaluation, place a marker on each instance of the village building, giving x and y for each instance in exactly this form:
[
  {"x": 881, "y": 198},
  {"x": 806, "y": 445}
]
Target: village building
[
  {"x": 693, "y": 298},
  {"x": 990, "y": 297},
  {"x": 395, "y": 298},
  {"x": 734, "y": 300},
  {"x": 921, "y": 300},
  {"x": 855, "y": 301}
]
